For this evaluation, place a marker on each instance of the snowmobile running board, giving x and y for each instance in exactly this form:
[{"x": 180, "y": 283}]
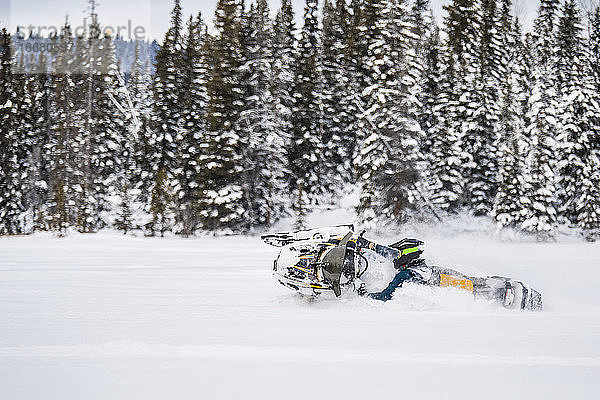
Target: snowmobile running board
[{"x": 284, "y": 238}]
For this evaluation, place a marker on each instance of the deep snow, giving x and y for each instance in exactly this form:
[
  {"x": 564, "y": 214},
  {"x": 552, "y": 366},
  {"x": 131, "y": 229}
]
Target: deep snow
[{"x": 110, "y": 317}]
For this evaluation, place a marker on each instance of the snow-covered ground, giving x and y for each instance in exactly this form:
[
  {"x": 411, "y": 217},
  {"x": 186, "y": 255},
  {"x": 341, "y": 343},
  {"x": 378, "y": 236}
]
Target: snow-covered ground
[{"x": 110, "y": 317}]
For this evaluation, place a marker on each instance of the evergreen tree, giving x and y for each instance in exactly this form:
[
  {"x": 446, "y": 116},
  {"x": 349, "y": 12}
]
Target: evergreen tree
[
  {"x": 305, "y": 148},
  {"x": 388, "y": 159},
  {"x": 284, "y": 59},
  {"x": 451, "y": 150},
  {"x": 194, "y": 132},
  {"x": 431, "y": 84},
  {"x": 110, "y": 151},
  {"x": 140, "y": 91},
  {"x": 339, "y": 110},
  {"x": 221, "y": 196},
  {"x": 263, "y": 157},
  {"x": 507, "y": 204},
  {"x": 11, "y": 195},
  {"x": 167, "y": 121},
  {"x": 24, "y": 138},
  {"x": 39, "y": 160},
  {"x": 577, "y": 112},
  {"x": 480, "y": 129},
  {"x": 539, "y": 189},
  {"x": 64, "y": 126},
  {"x": 441, "y": 144}
]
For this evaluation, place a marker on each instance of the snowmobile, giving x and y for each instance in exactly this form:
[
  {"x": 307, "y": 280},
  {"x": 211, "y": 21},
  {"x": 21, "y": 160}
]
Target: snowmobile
[{"x": 333, "y": 260}]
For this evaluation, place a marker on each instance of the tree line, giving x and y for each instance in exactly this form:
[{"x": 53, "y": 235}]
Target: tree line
[{"x": 234, "y": 128}]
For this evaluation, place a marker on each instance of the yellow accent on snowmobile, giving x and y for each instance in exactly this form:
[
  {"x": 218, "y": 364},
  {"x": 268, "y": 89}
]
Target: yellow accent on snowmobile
[
  {"x": 451, "y": 281},
  {"x": 303, "y": 269}
]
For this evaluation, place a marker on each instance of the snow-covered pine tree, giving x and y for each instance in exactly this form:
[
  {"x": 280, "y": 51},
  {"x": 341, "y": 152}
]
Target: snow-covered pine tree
[
  {"x": 482, "y": 111},
  {"x": 284, "y": 58},
  {"x": 61, "y": 211},
  {"x": 39, "y": 159},
  {"x": 24, "y": 138},
  {"x": 539, "y": 191},
  {"x": 140, "y": 90},
  {"x": 507, "y": 204},
  {"x": 577, "y": 111},
  {"x": 11, "y": 195},
  {"x": 193, "y": 138},
  {"x": 167, "y": 121},
  {"x": 109, "y": 145},
  {"x": 220, "y": 166},
  {"x": 339, "y": 110},
  {"x": 449, "y": 160},
  {"x": 305, "y": 148},
  {"x": 423, "y": 28},
  {"x": 263, "y": 145},
  {"x": 408, "y": 26},
  {"x": 126, "y": 175},
  {"x": 387, "y": 162},
  {"x": 431, "y": 54},
  {"x": 83, "y": 74},
  {"x": 431, "y": 117},
  {"x": 441, "y": 147}
]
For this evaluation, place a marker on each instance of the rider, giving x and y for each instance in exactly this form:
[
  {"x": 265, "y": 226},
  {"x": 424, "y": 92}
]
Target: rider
[{"x": 406, "y": 256}]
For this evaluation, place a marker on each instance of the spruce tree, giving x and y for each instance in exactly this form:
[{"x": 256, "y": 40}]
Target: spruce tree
[
  {"x": 284, "y": 61},
  {"x": 539, "y": 191},
  {"x": 451, "y": 150},
  {"x": 140, "y": 91},
  {"x": 263, "y": 146},
  {"x": 388, "y": 159},
  {"x": 63, "y": 167},
  {"x": 194, "y": 138},
  {"x": 482, "y": 109},
  {"x": 339, "y": 111},
  {"x": 110, "y": 150},
  {"x": 39, "y": 158},
  {"x": 24, "y": 129},
  {"x": 11, "y": 196},
  {"x": 507, "y": 204},
  {"x": 220, "y": 199},
  {"x": 441, "y": 143},
  {"x": 577, "y": 111},
  {"x": 305, "y": 148},
  {"x": 167, "y": 121}
]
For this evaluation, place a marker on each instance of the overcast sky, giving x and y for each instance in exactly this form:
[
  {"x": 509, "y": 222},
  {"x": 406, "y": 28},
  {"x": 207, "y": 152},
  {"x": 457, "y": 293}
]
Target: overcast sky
[{"x": 151, "y": 15}]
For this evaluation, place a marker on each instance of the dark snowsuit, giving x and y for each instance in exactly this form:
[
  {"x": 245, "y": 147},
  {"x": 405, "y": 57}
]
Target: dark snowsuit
[
  {"x": 401, "y": 277},
  {"x": 401, "y": 262}
]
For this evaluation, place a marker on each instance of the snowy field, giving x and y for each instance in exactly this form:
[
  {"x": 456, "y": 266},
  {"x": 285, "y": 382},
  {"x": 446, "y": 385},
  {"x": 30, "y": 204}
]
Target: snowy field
[{"x": 110, "y": 317}]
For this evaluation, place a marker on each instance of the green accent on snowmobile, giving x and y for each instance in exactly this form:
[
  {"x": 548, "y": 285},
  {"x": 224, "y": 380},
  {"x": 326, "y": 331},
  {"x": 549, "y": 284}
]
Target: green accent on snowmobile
[{"x": 409, "y": 251}]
